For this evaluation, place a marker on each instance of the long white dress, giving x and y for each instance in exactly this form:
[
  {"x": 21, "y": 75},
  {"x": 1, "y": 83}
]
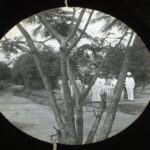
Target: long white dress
[{"x": 95, "y": 91}]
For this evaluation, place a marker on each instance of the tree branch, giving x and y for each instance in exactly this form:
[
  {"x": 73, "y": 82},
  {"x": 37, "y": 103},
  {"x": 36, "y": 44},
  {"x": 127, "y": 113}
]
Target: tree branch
[
  {"x": 95, "y": 113},
  {"x": 72, "y": 33},
  {"x": 83, "y": 96},
  {"x": 45, "y": 80},
  {"x": 101, "y": 109},
  {"x": 58, "y": 36},
  {"x": 67, "y": 96},
  {"x": 112, "y": 109},
  {"x": 72, "y": 79},
  {"x": 73, "y": 16},
  {"x": 22, "y": 48},
  {"x": 78, "y": 107},
  {"x": 83, "y": 31}
]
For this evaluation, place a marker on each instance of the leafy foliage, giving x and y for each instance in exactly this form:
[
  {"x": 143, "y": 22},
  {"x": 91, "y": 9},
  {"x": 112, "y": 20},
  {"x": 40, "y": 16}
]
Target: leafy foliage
[
  {"x": 5, "y": 71},
  {"x": 140, "y": 62},
  {"x": 25, "y": 70}
]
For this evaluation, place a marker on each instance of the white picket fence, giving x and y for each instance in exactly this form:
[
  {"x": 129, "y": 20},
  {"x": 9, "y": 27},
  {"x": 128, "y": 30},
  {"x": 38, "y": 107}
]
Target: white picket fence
[
  {"x": 105, "y": 88},
  {"x": 109, "y": 91}
]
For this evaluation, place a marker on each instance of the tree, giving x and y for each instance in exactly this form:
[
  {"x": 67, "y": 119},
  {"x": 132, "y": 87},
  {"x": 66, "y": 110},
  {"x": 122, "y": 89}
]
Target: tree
[
  {"x": 5, "y": 71},
  {"x": 25, "y": 71},
  {"x": 76, "y": 133},
  {"x": 140, "y": 62},
  {"x": 70, "y": 122},
  {"x": 111, "y": 112}
]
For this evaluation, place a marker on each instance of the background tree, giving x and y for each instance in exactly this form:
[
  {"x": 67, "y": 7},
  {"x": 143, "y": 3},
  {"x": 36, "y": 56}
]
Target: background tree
[
  {"x": 25, "y": 70},
  {"x": 5, "y": 74},
  {"x": 5, "y": 71}
]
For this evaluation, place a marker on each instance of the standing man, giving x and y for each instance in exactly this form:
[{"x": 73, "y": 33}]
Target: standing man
[{"x": 130, "y": 84}]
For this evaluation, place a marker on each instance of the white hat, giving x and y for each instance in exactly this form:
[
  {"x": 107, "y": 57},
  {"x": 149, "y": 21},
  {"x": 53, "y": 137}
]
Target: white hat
[{"x": 129, "y": 73}]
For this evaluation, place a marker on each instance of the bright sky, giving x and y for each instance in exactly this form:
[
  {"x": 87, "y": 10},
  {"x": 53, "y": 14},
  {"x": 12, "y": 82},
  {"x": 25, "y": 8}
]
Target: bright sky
[{"x": 93, "y": 30}]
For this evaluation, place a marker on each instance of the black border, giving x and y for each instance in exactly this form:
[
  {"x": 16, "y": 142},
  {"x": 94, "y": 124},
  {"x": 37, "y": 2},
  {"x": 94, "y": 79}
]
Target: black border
[{"x": 134, "y": 13}]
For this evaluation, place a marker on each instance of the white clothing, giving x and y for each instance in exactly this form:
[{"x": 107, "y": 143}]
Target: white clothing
[
  {"x": 130, "y": 84},
  {"x": 78, "y": 81},
  {"x": 71, "y": 87},
  {"x": 79, "y": 85},
  {"x": 113, "y": 82},
  {"x": 103, "y": 81},
  {"x": 130, "y": 93},
  {"x": 100, "y": 81},
  {"x": 108, "y": 82},
  {"x": 95, "y": 93}
]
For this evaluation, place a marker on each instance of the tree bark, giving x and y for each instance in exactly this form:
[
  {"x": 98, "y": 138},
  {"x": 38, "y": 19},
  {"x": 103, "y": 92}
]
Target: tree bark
[
  {"x": 74, "y": 29},
  {"x": 78, "y": 39},
  {"x": 67, "y": 94},
  {"x": 62, "y": 132},
  {"x": 68, "y": 98},
  {"x": 78, "y": 106},
  {"x": 93, "y": 131},
  {"x": 111, "y": 113}
]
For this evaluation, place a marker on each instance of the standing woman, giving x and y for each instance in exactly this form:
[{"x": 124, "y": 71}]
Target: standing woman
[{"x": 95, "y": 91}]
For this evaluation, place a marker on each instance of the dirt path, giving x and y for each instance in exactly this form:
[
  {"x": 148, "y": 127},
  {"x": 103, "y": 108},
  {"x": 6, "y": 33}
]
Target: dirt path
[
  {"x": 38, "y": 120},
  {"x": 34, "y": 119}
]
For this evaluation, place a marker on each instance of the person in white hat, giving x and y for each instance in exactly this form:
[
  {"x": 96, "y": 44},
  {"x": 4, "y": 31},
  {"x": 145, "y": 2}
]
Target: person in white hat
[{"x": 130, "y": 84}]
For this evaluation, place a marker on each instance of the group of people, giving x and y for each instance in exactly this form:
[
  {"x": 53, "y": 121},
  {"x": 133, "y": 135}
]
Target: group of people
[{"x": 104, "y": 85}]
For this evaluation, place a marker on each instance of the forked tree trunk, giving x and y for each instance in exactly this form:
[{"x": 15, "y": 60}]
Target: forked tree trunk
[
  {"x": 65, "y": 50},
  {"x": 78, "y": 106},
  {"x": 68, "y": 99},
  {"x": 62, "y": 132}
]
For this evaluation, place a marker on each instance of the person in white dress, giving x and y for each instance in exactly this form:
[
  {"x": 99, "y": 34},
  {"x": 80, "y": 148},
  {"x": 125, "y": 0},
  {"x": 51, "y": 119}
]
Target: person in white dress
[
  {"x": 96, "y": 90},
  {"x": 130, "y": 84},
  {"x": 113, "y": 81}
]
